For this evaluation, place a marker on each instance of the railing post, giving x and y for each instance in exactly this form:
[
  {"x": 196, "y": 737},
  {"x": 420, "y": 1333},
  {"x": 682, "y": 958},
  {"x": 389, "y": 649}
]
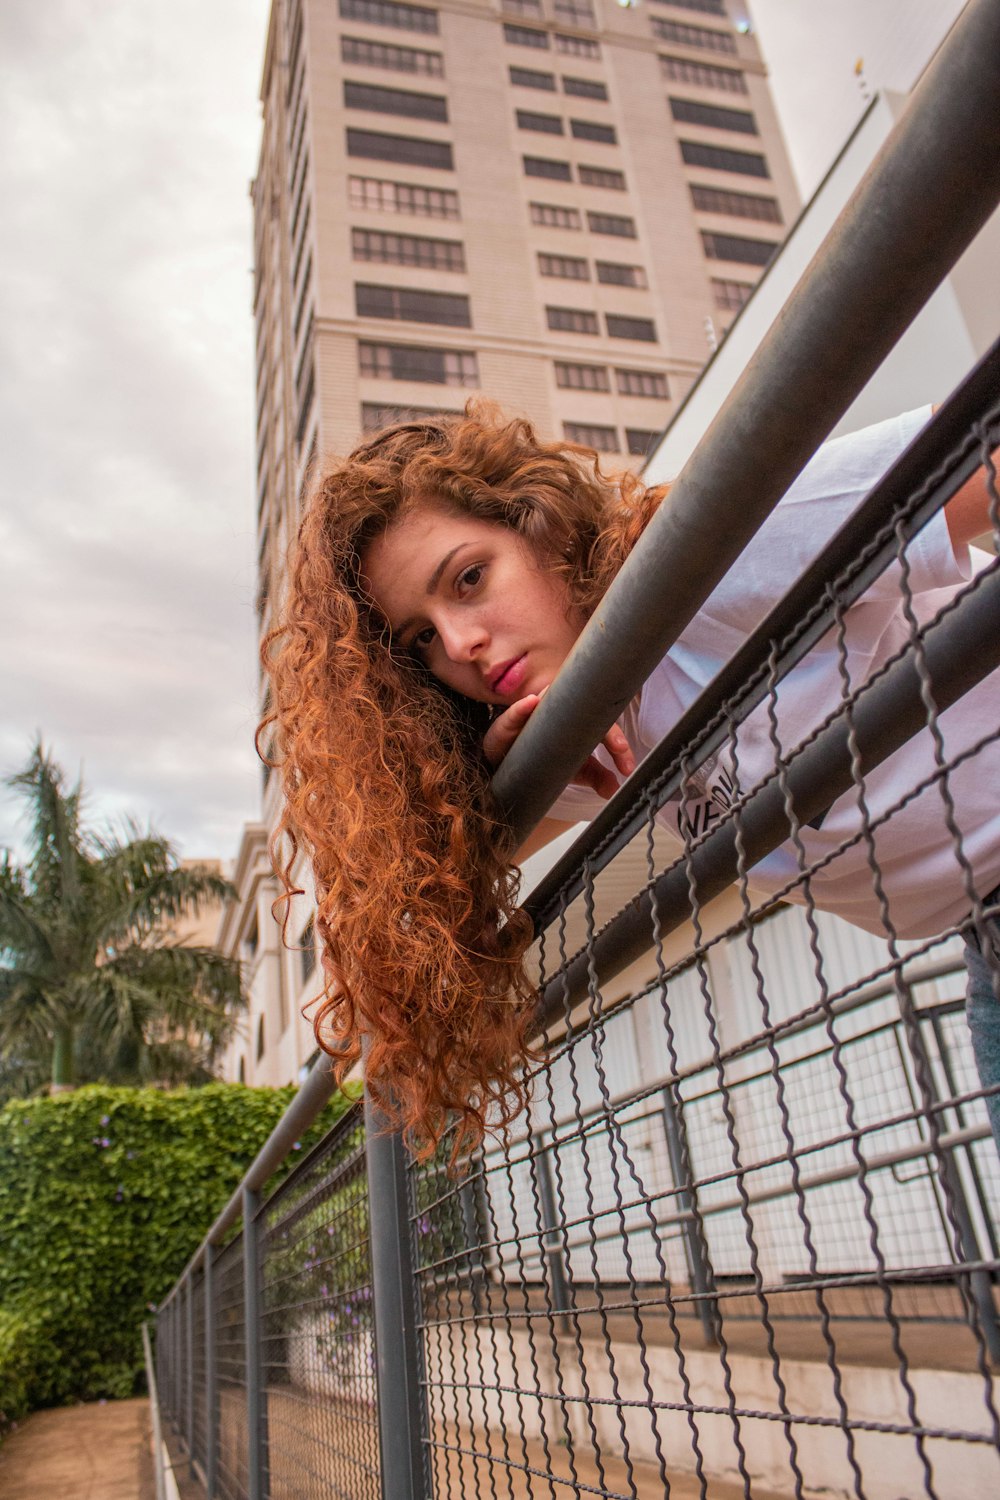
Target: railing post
[
  {"x": 257, "y": 1484},
  {"x": 551, "y": 1247},
  {"x": 189, "y": 1375},
  {"x": 980, "y": 1282},
  {"x": 473, "y": 1239},
  {"x": 397, "y": 1350},
  {"x": 211, "y": 1398},
  {"x": 695, "y": 1249}
]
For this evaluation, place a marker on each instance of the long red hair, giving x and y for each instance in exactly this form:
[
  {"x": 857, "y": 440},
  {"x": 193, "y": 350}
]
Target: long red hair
[{"x": 386, "y": 791}]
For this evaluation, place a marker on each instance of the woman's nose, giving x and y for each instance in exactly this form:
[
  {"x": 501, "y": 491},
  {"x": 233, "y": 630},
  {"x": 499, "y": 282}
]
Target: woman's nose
[{"x": 463, "y": 639}]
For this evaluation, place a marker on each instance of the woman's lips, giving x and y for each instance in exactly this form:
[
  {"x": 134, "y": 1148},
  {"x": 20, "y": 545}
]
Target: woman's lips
[{"x": 512, "y": 676}]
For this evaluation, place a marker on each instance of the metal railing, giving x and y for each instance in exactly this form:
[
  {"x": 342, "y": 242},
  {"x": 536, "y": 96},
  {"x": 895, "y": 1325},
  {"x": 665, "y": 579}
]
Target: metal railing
[{"x": 744, "y": 1239}]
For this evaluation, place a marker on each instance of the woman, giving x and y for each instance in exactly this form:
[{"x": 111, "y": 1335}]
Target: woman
[{"x": 442, "y": 575}]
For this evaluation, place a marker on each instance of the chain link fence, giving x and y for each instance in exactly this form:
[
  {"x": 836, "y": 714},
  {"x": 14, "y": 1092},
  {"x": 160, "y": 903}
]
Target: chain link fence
[{"x": 745, "y": 1238}]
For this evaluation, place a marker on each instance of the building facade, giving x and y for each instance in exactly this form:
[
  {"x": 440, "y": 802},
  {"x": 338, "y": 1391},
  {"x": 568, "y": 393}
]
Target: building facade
[{"x": 559, "y": 205}]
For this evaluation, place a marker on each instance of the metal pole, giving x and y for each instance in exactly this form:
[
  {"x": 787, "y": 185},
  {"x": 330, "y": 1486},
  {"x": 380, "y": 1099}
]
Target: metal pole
[
  {"x": 549, "y": 1233},
  {"x": 980, "y": 1282},
  {"x": 257, "y": 1477},
  {"x": 960, "y": 649},
  {"x": 189, "y": 1368},
  {"x": 159, "y": 1476},
  {"x": 397, "y": 1349},
  {"x": 473, "y": 1239},
  {"x": 930, "y": 189},
  {"x": 695, "y": 1246},
  {"x": 211, "y": 1394}
]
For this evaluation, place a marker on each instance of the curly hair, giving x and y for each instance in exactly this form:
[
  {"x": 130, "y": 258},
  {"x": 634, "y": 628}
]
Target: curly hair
[{"x": 386, "y": 790}]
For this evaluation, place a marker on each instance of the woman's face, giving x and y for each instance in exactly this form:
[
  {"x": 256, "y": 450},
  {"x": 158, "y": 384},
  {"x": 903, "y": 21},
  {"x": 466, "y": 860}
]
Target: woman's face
[{"x": 470, "y": 600}]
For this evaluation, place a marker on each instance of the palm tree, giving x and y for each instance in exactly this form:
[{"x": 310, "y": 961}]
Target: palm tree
[{"x": 92, "y": 984}]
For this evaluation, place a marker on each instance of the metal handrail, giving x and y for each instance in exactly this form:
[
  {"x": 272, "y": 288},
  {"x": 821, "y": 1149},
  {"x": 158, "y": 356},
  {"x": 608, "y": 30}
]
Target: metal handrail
[{"x": 892, "y": 244}]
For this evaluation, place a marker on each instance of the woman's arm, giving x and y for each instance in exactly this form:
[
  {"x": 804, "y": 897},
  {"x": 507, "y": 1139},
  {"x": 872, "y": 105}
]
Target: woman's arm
[
  {"x": 547, "y": 830},
  {"x": 968, "y": 511}
]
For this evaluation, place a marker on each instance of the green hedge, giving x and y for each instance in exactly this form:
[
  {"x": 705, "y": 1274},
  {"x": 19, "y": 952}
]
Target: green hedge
[{"x": 105, "y": 1193}]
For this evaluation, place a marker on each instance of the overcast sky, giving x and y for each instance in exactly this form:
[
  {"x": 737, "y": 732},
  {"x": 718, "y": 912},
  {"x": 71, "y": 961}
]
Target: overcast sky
[{"x": 130, "y": 132}]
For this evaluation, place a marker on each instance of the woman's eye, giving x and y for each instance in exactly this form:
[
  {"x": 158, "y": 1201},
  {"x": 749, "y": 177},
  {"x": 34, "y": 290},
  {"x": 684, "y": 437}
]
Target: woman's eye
[
  {"x": 471, "y": 576},
  {"x": 422, "y": 640}
]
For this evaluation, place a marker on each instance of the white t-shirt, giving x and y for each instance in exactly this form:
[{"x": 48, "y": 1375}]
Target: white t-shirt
[{"x": 915, "y": 851}]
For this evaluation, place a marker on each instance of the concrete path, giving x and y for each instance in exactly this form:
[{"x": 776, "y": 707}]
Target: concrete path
[{"x": 91, "y": 1452}]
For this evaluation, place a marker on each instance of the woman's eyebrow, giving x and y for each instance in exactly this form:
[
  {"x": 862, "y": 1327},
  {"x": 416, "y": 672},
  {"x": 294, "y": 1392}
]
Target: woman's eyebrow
[
  {"x": 432, "y": 584},
  {"x": 435, "y": 577}
]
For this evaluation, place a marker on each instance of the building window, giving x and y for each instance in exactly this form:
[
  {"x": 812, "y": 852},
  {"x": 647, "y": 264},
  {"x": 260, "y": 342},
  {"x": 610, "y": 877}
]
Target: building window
[
  {"x": 390, "y": 13},
  {"x": 724, "y": 159},
  {"x": 307, "y": 952},
  {"x": 402, "y": 148},
  {"x": 305, "y": 408},
  {"x": 707, "y": 75},
  {"x": 428, "y": 366},
  {"x": 531, "y": 78},
  {"x": 569, "y": 267},
  {"x": 740, "y": 205},
  {"x": 547, "y": 124},
  {"x": 707, "y": 7},
  {"x": 731, "y": 295},
  {"x": 584, "y": 88},
  {"x": 737, "y": 247},
  {"x": 403, "y": 198},
  {"x": 640, "y": 441},
  {"x": 592, "y": 435},
  {"x": 713, "y": 115},
  {"x": 260, "y": 1037},
  {"x": 407, "y": 250},
  {"x": 542, "y": 166},
  {"x": 574, "y": 12},
  {"x": 620, "y": 327},
  {"x": 578, "y": 46},
  {"x": 618, "y": 224},
  {"x": 642, "y": 383},
  {"x": 571, "y": 320},
  {"x": 375, "y": 416},
  {"x": 590, "y": 130},
  {"x": 524, "y": 36},
  {"x": 555, "y": 216},
  {"x": 603, "y": 178},
  {"x": 575, "y": 377},
  {"x": 693, "y": 36},
  {"x": 613, "y": 273},
  {"x": 522, "y": 8},
  {"x": 410, "y": 305},
  {"x": 395, "y": 101},
  {"x": 366, "y": 54}
]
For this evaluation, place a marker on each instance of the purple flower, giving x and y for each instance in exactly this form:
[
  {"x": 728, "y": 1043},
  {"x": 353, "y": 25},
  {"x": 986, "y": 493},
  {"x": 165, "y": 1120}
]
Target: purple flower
[
  {"x": 323, "y": 1290},
  {"x": 424, "y": 1224},
  {"x": 105, "y": 1120}
]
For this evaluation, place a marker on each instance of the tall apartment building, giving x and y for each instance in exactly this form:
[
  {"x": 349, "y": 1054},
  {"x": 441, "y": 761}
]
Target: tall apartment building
[{"x": 559, "y": 204}]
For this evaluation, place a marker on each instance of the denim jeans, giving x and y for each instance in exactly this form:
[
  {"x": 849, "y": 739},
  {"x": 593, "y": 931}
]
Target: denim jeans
[{"x": 982, "y": 1009}]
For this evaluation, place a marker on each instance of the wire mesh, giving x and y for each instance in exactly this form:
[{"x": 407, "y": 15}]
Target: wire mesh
[
  {"x": 745, "y": 1238},
  {"x": 317, "y": 1329}
]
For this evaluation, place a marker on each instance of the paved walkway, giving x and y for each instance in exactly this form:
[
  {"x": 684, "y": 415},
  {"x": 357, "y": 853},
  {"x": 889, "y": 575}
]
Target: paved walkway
[{"x": 91, "y": 1452}]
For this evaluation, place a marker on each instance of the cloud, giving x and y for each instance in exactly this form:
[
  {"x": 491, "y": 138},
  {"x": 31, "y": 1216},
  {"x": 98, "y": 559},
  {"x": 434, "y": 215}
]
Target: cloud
[{"x": 127, "y": 512}]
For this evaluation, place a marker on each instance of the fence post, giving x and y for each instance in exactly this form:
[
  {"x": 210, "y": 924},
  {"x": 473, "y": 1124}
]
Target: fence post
[
  {"x": 257, "y": 1473},
  {"x": 211, "y": 1413},
  {"x": 980, "y": 1282},
  {"x": 550, "y": 1232},
  {"x": 189, "y": 1373},
  {"x": 397, "y": 1350},
  {"x": 695, "y": 1248}
]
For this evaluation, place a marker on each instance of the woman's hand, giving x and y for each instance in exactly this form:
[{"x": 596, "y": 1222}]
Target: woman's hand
[{"x": 507, "y": 726}]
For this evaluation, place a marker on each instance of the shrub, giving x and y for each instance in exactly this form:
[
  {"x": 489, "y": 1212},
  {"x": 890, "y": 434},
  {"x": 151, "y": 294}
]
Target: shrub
[{"x": 105, "y": 1193}]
